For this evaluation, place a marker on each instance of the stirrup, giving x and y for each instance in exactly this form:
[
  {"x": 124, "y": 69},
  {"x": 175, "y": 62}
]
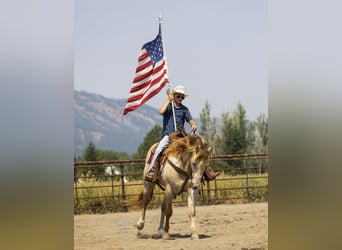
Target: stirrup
[{"x": 151, "y": 177}]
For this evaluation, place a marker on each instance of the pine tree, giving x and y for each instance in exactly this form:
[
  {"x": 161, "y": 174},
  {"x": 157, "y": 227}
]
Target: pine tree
[
  {"x": 261, "y": 141},
  {"x": 234, "y": 138},
  {"x": 262, "y": 128},
  {"x": 92, "y": 154},
  {"x": 208, "y": 125}
]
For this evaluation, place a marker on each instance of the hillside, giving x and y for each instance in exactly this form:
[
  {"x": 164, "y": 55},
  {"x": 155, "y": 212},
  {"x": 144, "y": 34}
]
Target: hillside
[{"x": 99, "y": 119}]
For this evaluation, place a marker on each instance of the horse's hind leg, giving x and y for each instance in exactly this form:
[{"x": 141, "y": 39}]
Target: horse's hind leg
[{"x": 147, "y": 197}]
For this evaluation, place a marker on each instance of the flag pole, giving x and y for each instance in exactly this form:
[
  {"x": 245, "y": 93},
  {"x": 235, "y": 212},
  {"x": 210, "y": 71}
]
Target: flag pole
[{"x": 167, "y": 68}]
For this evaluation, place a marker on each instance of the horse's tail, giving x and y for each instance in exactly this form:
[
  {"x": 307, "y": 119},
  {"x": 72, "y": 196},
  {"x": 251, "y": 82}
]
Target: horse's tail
[{"x": 138, "y": 201}]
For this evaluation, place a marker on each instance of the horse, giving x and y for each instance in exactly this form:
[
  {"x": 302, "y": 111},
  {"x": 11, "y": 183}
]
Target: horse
[{"x": 182, "y": 171}]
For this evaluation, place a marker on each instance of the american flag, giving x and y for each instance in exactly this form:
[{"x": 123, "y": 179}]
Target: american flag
[{"x": 150, "y": 76}]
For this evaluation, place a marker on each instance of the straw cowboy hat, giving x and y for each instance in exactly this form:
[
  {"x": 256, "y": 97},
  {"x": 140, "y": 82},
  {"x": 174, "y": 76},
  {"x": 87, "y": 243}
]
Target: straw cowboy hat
[{"x": 179, "y": 89}]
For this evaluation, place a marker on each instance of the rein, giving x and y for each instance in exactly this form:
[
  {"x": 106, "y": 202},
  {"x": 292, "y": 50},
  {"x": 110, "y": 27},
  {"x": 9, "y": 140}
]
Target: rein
[
  {"x": 188, "y": 176},
  {"x": 180, "y": 171}
]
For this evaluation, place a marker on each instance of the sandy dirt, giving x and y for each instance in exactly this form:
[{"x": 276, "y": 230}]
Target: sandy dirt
[{"x": 235, "y": 226}]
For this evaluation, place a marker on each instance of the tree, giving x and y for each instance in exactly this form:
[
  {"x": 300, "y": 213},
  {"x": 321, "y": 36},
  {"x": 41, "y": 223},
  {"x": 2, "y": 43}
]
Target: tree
[
  {"x": 107, "y": 155},
  {"x": 208, "y": 125},
  {"x": 153, "y": 136},
  {"x": 92, "y": 154},
  {"x": 262, "y": 129},
  {"x": 234, "y": 138},
  {"x": 250, "y": 135},
  {"x": 234, "y": 131},
  {"x": 260, "y": 141}
]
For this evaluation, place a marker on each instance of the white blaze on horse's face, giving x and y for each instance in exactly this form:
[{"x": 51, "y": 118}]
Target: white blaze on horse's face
[{"x": 199, "y": 162}]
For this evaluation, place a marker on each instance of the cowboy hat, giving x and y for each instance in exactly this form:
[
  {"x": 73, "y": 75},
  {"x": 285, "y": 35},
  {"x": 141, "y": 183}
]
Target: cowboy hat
[{"x": 179, "y": 89}]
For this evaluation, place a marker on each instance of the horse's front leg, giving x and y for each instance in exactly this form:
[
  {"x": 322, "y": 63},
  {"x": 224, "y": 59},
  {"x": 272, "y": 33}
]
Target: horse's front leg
[
  {"x": 192, "y": 194},
  {"x": 168, "y": 210}
]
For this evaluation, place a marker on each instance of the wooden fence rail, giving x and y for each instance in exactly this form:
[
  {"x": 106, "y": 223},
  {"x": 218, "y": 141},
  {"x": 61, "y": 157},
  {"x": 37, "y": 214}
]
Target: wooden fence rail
[{"x": 107, "y": 186}]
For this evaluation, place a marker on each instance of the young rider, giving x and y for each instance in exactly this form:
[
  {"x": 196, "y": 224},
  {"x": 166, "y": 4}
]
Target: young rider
[{"x": 182, "y": 114}]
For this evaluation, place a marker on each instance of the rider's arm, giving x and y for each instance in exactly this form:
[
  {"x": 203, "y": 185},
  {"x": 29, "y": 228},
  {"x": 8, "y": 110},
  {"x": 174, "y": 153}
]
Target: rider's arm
[{"x": 166, "y": 103}]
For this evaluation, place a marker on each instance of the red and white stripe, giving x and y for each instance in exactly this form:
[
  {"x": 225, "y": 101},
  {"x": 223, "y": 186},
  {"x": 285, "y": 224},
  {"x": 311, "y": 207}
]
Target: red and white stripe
[{"x": 148, "y": 81}]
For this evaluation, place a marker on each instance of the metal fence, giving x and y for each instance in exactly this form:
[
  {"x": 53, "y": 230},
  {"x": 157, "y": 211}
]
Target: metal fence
[{"x": 108, "y": 186}]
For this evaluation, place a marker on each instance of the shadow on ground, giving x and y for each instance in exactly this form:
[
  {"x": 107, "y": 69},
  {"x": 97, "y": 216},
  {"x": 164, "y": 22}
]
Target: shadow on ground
[{"x": 172, "y": 236}]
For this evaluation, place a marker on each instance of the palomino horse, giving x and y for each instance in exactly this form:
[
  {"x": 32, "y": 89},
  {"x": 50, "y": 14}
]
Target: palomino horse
[{"x": 182, "y": 171}]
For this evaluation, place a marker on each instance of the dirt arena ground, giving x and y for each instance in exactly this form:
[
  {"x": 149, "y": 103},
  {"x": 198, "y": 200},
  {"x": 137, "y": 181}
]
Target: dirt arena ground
[{"x": 235, "y": 226}]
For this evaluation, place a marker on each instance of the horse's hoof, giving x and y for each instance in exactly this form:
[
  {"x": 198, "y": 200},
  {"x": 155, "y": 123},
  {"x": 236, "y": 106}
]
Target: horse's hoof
[
  {"x": 166, "y": 236},
  {"x": 140, "y": 225},
  {"x": 161, "y": 232}
]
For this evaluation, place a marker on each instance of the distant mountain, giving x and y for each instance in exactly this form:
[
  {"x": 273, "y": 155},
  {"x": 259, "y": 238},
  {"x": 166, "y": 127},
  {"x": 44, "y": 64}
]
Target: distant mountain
[{"x": 99, "y": 119}]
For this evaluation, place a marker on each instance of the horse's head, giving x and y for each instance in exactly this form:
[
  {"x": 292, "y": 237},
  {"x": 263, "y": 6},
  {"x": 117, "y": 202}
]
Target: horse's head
[
  {"x": 194, "y": 154},
  {"x": 199, "y": 161}
]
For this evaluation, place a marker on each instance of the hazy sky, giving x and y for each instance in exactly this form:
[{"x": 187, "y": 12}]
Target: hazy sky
[{"x": 216, "y": 49}]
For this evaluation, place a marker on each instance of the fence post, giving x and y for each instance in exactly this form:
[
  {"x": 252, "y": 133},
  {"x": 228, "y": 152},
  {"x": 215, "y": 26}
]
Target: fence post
[
  {"x": 75, "y": 190},
  {"x": 247, "y": 182},
  {"x": 216, "y": 196},
  {"x": 124, "y": 207},
  {"x": 208, "y": 190},
  {"x": 112, "y": 178}
]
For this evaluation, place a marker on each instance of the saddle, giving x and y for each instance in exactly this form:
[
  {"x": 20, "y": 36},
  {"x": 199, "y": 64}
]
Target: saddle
[
  {"x": 173, "y": 136},
  {"x": 180, "y": 133}
]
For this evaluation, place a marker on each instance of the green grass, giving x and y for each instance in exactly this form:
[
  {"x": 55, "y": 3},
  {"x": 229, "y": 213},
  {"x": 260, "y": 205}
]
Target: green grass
[{"x": 108, "y": 196}]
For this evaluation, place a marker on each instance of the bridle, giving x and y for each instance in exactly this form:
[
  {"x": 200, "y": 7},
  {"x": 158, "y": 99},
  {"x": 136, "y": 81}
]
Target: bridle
[{"x": 188, "y": 175}]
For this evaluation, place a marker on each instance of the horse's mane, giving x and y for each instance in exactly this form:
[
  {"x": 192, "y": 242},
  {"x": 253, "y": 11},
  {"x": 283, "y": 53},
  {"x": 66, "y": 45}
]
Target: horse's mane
[{"x": 185, "y": 144}]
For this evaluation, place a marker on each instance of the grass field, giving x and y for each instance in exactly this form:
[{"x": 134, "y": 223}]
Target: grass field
[{"x": 111, "y": 196}]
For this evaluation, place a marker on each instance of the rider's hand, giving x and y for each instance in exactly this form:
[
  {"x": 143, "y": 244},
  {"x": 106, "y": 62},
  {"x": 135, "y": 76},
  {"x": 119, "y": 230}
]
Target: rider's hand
[
  {"x": 170, "y": 97},
  {"x": 193, "y": 125}
]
